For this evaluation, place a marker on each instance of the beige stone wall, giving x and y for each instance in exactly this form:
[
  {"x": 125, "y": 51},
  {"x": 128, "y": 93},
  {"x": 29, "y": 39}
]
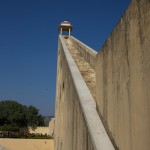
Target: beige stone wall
[
  {"x": 85, "y": 51},
  {"x": 123, "y": 79},
  {"x": 40, "y": 130},
  {"x": 44, "y": 130},
  {"x": 26, "y": 144},
  {"x": 77, "y": 124},
  {"x": 122, "y": 89},
  {"x": 51, "y": 126},
  {"x": 70, "y": 127}
]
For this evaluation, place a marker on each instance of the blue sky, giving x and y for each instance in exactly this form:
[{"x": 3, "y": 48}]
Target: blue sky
[{"x": 29, "y": 38}]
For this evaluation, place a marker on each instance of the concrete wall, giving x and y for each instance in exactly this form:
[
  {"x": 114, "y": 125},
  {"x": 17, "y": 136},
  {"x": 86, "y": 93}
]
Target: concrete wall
[
  {"x": 40, "y": 130},
  {"x": 3, "y": 148},
  {"x": 77, "y": 124},
  {"x": 51, "y": 127},
  {"x": 45, "y": 130},
  {"x": 123, "y": 79},
  {"x": 26, "y": 144}
]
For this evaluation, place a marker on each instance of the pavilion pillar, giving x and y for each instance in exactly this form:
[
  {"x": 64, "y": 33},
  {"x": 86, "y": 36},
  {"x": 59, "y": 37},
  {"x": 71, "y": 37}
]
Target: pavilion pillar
[{"x": 69, "y": 32}]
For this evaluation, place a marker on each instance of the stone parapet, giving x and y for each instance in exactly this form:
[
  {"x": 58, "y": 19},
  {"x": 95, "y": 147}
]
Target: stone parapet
[{"x": 85, "y": 51}]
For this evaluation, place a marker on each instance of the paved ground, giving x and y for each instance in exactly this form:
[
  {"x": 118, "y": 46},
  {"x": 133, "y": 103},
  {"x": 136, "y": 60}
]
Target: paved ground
[{"x": 26, "y": 144}]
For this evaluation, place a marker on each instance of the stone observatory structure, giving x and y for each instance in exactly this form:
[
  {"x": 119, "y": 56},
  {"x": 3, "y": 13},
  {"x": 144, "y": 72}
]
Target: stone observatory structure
[{"x": 103, "y": 98}]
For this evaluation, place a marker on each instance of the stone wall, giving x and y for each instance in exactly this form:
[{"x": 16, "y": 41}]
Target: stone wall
[
  {"x": 3, "y": 148},
  {"x": 77, "y": 124},
  {"x": 40, "y": 130},
  {"x": 51, "y": 127},
  {"x": 26, "y": 144},
  {"x": 85, "y": 51},
  {"x": 123, "y": 79}
]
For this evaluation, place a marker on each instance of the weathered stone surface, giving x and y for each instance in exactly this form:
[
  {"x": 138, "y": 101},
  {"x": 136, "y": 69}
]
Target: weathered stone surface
[
  {"x": 84, "y": 51},
  {"x": 121, "y": 82},
  {"x": 85, "y": 68},
  {"x": 26, "y": 144},
  {"x": 123, "y": 79},
  {"x": 77, "y": 124}
]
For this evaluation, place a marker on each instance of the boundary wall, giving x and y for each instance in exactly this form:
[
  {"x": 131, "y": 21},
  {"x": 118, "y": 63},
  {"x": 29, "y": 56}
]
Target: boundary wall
[
  {"x": 40, "y": 130},
  {"x": 26, "y": 144}
]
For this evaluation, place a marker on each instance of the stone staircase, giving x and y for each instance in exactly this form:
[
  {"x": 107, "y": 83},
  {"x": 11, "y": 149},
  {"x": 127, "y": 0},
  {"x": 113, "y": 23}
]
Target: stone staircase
[{"x": 85, "y": 68}]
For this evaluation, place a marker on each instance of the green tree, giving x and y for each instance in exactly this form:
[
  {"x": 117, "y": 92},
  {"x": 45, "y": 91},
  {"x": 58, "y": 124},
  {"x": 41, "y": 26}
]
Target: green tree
[
  {"x": 11, "y": 112},
  {"x": 34, "y": 119},
  {"x": 15, "y": 116}
]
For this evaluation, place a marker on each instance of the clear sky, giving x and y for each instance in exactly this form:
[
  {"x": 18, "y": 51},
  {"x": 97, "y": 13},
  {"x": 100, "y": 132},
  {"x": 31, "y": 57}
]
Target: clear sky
[{"x": 29, "y": 40}]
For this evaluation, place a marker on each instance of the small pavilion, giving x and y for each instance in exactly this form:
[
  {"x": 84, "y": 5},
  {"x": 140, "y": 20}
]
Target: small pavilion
[{"x": 65, "y": 26}]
